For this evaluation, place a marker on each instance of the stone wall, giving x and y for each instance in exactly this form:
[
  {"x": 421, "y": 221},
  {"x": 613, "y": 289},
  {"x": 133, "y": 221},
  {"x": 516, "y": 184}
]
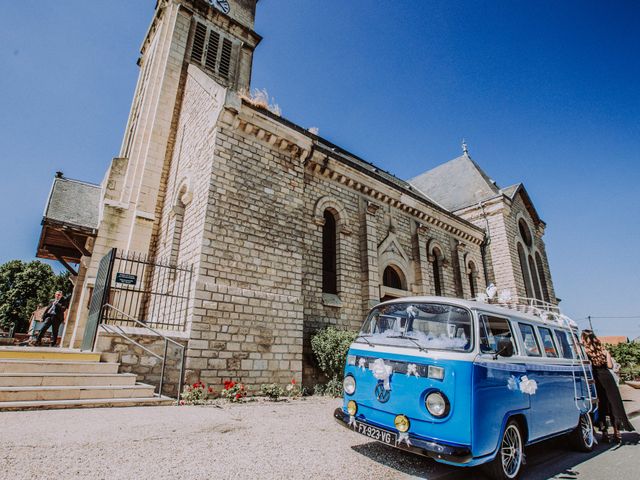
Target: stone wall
[
  {"x": 134, "y": 359},
  {"x": 502, "y": 214}
]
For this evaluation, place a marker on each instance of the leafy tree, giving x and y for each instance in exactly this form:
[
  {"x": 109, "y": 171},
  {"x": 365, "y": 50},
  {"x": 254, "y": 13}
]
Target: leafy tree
[{"x": 24, "y": 287}]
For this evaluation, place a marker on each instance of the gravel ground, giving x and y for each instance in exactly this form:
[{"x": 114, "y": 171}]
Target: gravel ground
[{"x": 256, "y": 440}]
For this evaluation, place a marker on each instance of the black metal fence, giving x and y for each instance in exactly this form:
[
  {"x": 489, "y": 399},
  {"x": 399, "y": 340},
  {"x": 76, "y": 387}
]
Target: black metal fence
[{"x": 153, "y": 291}]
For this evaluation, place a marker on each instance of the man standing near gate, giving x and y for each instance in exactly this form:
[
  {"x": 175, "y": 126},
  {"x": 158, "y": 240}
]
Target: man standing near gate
[{"x": 53, "y": 317}]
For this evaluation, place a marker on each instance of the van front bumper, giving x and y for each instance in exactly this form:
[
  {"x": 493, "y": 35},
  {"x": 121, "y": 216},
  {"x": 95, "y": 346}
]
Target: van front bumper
[{"x": 421, "y": 446}]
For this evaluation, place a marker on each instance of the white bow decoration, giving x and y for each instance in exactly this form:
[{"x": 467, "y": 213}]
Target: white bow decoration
[
  {"x": 362, "y": 363},
  {"x": 528, "y": 386},
  {"x": 352, "y": 421},
  {"x": 404, "y": 437},
  {"x": 382, "y": 372},
  {"x": 412, "y": 369}
]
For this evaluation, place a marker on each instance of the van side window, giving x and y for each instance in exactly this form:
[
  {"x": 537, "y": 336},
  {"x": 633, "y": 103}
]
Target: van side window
[
  {"x": 530, "y": 340},
  {"x": 547, "y": 342},
  {"x": 566, "y": 349},
  {"x": 492, "y": 329}
]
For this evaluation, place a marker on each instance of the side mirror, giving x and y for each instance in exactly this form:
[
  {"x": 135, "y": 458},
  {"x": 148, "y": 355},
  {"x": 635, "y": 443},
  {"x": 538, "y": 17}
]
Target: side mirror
[{"x": 505, "y": 348}]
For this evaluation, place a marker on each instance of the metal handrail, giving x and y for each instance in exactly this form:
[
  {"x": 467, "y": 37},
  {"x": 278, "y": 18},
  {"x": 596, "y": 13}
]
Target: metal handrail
[{"x": 117, "y": 329}]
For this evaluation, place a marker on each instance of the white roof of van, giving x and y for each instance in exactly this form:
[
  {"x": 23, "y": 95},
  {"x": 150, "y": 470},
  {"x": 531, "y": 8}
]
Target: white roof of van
[{"x": 473, "y": 305}]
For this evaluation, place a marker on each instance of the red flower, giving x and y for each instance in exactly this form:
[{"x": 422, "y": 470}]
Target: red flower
[
  {"x": 238, "y": 396},
  {"x": 293, "y": 381},
  {"x": 210, "y": 389}
]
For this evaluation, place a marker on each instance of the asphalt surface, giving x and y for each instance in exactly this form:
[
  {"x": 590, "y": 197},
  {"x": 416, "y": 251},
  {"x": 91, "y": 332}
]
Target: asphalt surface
[{"x": 256, "y": 440}]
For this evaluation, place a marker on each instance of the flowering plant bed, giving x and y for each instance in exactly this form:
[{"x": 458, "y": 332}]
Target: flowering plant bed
[
  {"x": 233, "y": 391},
  {"x": 196, "y": 394}
]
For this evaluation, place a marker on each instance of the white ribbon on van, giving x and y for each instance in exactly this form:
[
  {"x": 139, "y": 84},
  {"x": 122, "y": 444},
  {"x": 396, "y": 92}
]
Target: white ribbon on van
[
  {"x": 528, "y": 386},
  {"x": 403, "y": 437},
  {"x": 352, "y": 421},
  {"x": 412, "y": 369},
  {"x": 362, "y": 363},
  {"x": 381, "y": 371}
]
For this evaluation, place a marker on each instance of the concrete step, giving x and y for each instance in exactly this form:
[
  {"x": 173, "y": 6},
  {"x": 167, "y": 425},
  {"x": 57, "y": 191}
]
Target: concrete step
[
  {"x": 65, "y": 379},
  {"x": 39, "y": 393},
  {"x": 48, "y": 353},
  {"x": 87, "y": 403},
  {"x": 56, "y": 366}
]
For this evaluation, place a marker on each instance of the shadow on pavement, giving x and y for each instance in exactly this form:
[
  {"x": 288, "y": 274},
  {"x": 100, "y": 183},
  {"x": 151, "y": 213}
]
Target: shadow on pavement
[{"x": 552, "y": 458}]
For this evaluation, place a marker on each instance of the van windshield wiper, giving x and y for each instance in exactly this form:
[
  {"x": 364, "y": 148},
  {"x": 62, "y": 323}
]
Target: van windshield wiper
[
  {"x": 420, "y": 347},
  {"x": 365, "y": 339}
]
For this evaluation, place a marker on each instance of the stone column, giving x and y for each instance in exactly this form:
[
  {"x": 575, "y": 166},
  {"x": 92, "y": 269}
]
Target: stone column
[
  {"x": 370, "y": 274},
  {"x": 423, "y": 267},
  {"x": 464, "y": 277}
]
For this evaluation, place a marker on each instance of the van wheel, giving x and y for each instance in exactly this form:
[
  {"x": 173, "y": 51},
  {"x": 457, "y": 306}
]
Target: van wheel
[
  {"x": 582, "y": 436},
  {"x": 508, "y": 461}
]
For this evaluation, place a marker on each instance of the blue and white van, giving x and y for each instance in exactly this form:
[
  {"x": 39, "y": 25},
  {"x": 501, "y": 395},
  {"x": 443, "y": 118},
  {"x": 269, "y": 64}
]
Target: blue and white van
[{"x": 467, "y": 383}]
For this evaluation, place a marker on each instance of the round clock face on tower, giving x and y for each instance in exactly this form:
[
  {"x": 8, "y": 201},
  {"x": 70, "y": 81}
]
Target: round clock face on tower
[{"x": 222, "y": 5}]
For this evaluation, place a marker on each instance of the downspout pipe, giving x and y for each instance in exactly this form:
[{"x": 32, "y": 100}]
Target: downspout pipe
[{"x": 485, "y": 243}]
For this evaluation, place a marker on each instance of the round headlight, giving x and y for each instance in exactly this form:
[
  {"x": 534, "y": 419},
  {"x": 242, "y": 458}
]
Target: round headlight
[
  {"x": 437, "y": 404},
  {"x": 349, "y": 385},
  {"x": 352, "y": 408},
  {"x": 402, "y": 423}
]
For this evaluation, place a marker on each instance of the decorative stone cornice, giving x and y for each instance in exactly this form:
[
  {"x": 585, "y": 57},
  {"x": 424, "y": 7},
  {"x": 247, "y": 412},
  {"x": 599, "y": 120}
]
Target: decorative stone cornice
[
  {"x": 372, "y": 208},
  {"x": 249, "y": 121},
  {"x": 323, "y": 166},
  {"x": 421, "y": 229}
]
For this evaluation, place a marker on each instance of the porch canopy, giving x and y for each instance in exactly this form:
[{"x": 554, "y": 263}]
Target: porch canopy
[{"x": 70, "y": 218}]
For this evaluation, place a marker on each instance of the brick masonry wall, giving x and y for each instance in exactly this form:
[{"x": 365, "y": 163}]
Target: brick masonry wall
[
  {"x": 248, "y": 315},
  {"x": 134, "y": 359},
  {"x": 503, "y": 262}
]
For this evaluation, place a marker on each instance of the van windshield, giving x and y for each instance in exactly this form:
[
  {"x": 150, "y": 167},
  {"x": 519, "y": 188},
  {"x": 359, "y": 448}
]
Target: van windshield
[{"x": 418, "y": 325}]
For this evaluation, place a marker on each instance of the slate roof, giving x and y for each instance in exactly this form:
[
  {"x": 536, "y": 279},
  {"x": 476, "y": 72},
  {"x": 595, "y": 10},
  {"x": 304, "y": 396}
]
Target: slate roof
[
  {"x": 74, "y": 203},
  {"x": 456, "y": 184}
]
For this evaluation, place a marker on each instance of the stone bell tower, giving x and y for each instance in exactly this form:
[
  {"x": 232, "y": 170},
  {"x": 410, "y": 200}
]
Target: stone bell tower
[{"x": 217, "y": 37}]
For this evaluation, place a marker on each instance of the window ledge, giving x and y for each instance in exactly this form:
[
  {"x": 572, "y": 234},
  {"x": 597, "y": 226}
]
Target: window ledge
[{"x": 331, "y": 300}]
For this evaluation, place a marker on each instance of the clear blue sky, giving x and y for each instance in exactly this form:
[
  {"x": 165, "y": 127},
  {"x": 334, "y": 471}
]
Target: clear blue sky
[{"x": 545, "y": 92}]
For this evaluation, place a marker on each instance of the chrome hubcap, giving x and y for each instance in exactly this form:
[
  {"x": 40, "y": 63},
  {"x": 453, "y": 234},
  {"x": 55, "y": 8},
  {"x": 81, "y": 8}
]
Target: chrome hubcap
[
  {"x": 586, "y": 428},
  {"x": 511, "y": 451}
]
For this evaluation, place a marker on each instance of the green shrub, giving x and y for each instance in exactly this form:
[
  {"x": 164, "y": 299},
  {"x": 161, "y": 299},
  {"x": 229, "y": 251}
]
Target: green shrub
[
  {"x": 273, "y": 391},
  {"x": 628, "y": 356},
  {"x": 333, "y": 388},
  {"x": 330, "y": 347}
]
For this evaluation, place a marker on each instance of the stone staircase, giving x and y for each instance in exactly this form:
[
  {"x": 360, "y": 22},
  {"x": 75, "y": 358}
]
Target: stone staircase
[{"x": 43, "y": 378}]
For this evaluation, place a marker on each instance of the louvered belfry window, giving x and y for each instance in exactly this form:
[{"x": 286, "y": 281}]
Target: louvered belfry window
[{"x": 212, "y": 50}]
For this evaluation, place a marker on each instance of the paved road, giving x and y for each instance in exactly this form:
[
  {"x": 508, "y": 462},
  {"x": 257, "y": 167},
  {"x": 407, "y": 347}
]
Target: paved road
[{"x": 257, "y": 440}]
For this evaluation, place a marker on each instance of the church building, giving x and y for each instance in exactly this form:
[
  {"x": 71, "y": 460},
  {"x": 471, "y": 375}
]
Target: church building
[{"x": 238, "y": 233}]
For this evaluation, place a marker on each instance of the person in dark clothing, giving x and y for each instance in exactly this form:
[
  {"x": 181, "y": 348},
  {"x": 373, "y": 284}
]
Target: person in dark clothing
[
  {"x": 609, "y": 400},
  {"x": 53, "y": 317}
]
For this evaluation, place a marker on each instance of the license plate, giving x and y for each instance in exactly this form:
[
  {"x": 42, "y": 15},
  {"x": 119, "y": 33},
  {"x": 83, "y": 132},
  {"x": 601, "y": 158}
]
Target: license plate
[{"x": 376, "y": 433}]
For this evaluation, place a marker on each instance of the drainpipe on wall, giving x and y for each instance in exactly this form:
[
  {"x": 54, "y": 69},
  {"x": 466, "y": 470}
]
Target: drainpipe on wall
[{"x": 485, "y": 243}]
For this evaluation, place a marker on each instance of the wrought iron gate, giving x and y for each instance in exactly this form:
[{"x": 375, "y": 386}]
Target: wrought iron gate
[
  {"x": 99, "y": 297},
  {"x": 136, "y": 287}
]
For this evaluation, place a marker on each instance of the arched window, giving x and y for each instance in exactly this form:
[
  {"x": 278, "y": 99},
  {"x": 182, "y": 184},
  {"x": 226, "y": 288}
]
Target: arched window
[
  {"x": 543, "y": 280},
  {"x": 525, "y": 271},
  {"x": 329, "y": 263},
  {"x": 534, "y": 278},
  {"x": 472, "y": 279},
  {"x": 437, "y": 270},
  {"x": 392, "y": 278},
  {"x": 525, "y": 233}
]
